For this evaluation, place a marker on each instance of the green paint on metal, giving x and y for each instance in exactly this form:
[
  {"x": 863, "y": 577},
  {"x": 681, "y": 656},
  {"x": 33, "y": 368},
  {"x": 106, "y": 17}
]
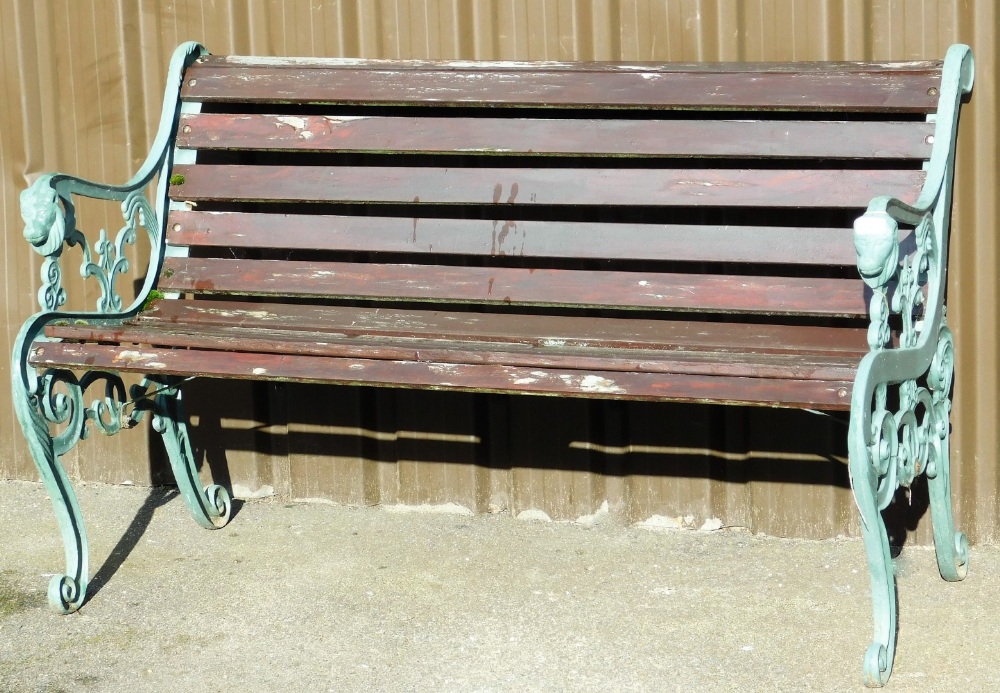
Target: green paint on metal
[
  {"x": 893, "y": 439},
  {"x": 68, "y": 590},
  {"x": 210, "y": 507},
  {"x": 54, "y": 399}
]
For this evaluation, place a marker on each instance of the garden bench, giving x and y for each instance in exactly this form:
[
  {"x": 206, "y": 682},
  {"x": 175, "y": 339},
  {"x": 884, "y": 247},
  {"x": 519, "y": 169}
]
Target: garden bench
[{"x": 754, "y": 234}]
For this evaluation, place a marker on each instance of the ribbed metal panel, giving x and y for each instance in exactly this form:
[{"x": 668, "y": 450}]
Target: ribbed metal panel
[{"x": 81, "y": 92}]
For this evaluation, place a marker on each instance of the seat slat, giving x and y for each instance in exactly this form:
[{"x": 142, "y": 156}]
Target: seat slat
[
  {"x": 526, "y": 329},
  {"x": 504, "y": 285},
  {"x": 515, "y": 186},
  {"x": 826, "y": 394},
  {"x": 599, "y": 241},
  {"x": 814, "y": 88},
  {"x": 684, "y": 138},
  {"x": 293, "y": 342}
]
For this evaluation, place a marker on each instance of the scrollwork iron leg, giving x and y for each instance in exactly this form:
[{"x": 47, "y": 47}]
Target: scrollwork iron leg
[
  {"x": 68, "y": 591},
  {"x": 209, "y": 507},
  {"x": 951, "y": 546},
  {"x": 877, "y": 665}
]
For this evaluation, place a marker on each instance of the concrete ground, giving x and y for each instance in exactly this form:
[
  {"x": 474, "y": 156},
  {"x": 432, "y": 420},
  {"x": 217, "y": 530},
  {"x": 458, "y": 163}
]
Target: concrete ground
[{"x": 296, "y": 596}]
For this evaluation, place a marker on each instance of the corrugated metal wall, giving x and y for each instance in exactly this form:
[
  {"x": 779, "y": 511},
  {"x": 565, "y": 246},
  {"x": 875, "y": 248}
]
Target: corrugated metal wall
[{"x": 81, "y": 91}]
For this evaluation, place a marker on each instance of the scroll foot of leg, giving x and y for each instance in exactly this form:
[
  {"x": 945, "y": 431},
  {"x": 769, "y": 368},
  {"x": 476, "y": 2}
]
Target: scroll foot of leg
[
  {"x": 68, "y": 591},
  {"x": 878, "y": 659},
  {"x": 952, "y": 553},
  {"x": 952, "y": 547},
  {"x": 210, "y": 507},
  {"x": 66, "y": 594},
  {"x": 875, "y": 666}
]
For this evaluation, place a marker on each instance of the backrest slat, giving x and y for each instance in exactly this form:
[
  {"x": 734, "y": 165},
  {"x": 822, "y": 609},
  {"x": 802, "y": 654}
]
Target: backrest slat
[
  {"x": 725, "y": 187},
  {"x": 817, "y": 86},
  {"x": 518, "y": 238},
  {"x": 542, "y": 136}
]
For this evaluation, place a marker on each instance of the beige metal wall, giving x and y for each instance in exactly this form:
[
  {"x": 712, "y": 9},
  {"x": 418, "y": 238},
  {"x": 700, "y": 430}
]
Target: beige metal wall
[{"x": 81, "y": 89}]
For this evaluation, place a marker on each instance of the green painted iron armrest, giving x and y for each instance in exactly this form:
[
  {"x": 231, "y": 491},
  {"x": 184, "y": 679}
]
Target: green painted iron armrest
[
  {"x": 50, "y": 226},
  {"x": 912, "y": 285},
  {"x": 50, "y": 217}
]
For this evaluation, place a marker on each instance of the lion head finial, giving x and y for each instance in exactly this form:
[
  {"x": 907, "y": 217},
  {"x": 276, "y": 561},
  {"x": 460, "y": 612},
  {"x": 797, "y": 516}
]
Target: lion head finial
[
  {"x": 876, "y": 240},
  {"x": 44, "y": 223}
]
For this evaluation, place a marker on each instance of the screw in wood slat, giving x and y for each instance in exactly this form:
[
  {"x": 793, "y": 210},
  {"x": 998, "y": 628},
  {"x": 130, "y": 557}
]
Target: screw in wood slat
[{"x": 933, "y": 91}]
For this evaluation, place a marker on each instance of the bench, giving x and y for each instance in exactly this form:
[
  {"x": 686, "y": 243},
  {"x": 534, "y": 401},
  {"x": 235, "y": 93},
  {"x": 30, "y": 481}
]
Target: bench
[{"x": 690, "y": 233}]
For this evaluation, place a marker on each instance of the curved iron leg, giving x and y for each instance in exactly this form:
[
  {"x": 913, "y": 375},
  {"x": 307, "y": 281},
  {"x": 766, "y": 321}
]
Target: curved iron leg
[
  {"x": 878, "y": 659},
  {"x": 952, "y": 547},
  {"x": 209, "y": 507},
  {"x": 68, "y": 591}
]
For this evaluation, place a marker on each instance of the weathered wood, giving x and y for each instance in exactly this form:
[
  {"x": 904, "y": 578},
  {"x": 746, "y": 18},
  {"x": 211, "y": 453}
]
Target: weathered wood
[
  {"x": 553, "y": 239},
  {"x": 499, "y": 136},
  {"x": 525, "y": 329},
  {"x": 928, "y": 67},
  {"x": 505, "y": 285},
  {"x": 819, "y": 88},
  {"x": 563, "y": 186},
  {"x": 446, "y": 376},
  {"x": 417, "y": 348}
]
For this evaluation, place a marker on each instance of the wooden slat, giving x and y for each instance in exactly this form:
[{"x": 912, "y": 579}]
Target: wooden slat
[
  {"x": 685, "y": 138},
  {"x": 446, "y": 376},
  {"x": 599, "y": 241},
  {"x": 524, "y": 329},
  {"x": 930, "y": 67},
  {"x": 292, "y": 342},
  {"x": 501, "y": 285},
  {"x": 815, "y": 88},
  {"x": 513, "y": 186}
]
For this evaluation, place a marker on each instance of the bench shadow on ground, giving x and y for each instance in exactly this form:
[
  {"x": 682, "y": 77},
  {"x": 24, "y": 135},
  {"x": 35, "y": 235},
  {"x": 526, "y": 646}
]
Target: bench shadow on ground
[
  {"x": 663, "y": 458},
  {"x": 159, "y": 496},
  {"x": 370, "y": 446},
  {"x": 243, "y": 429}
]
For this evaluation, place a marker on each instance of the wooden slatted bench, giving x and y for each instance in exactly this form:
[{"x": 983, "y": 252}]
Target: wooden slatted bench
[{"x": 638, "y": 231}]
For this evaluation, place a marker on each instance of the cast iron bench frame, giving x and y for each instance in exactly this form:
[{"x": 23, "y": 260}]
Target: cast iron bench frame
[{"x": 899, "y": 398}]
